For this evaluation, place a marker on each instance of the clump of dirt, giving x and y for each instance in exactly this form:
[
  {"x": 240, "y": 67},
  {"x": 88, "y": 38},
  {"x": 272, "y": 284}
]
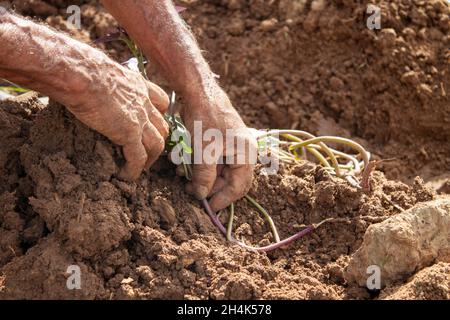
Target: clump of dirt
[
  {"x": 404, "y": 243},
  {"x": 63, "y": 206},
  {"x": 312, "y": 65}
]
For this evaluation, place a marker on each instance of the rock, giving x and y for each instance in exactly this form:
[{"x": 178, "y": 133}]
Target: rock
[
  {"x": 388, "y": 37},
  {"x": 165, "y": 210},
  {"x": 318, "y": 5},
  {"x": 403, "y": 244},
  {"x": 291, "y": 9},
  {"x": 236, "y": 27},
  {"x": 269, "y": 25},
  {"x": 411, "y": 77},
  {"x": 336, "y": 83},
  {"x": 425, "y": 89},
  {"x": 127, "y": 281},
  {"x": 235, "y": 4},
  {"x": 409, "y": 32}
]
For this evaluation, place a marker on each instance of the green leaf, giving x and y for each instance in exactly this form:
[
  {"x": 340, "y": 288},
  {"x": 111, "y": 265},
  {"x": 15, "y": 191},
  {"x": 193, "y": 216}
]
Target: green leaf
[
  {"x": 262, "y": 144},
  {"x": 14, "y": 89},
  {"x": 186, "y": 147}
]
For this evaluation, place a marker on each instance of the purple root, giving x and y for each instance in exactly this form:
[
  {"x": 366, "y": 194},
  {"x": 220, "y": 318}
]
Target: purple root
[{"x": 268, "y": 248}]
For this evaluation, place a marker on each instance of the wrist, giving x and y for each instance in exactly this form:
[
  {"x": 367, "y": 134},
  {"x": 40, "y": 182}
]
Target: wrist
[{"x": 203, "y": 94}]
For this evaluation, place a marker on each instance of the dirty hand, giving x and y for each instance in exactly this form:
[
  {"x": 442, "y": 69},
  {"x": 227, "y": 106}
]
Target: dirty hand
[
  {"x": 230, "y": 181},
  {"x": 115, "y": 101},
  {"x": 129, "y": 113}
]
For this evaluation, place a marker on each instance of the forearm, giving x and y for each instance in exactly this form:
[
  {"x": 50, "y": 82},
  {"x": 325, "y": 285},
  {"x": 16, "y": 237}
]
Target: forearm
[
  {"x": 36, "y": 57},
  {"x": 163, "y": 36}
]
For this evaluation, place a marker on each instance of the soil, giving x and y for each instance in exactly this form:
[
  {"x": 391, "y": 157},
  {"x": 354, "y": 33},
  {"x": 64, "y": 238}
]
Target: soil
[{"x": 312, "y": 65}]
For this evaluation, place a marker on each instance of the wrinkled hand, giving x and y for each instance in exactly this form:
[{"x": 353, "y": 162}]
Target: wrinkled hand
[
  {"x": 106, "y": 96},
  {"x": 224, "y": 183},
  {"x": 129, "y": 111}
]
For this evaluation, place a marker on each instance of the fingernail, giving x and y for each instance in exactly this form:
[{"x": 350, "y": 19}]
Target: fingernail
[{"x": 201, "y": 192}]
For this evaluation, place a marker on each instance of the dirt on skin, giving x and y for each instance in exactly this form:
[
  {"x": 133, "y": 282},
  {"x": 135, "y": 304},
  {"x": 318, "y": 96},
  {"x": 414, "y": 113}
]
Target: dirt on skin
[{"x": 303, "y": 64}]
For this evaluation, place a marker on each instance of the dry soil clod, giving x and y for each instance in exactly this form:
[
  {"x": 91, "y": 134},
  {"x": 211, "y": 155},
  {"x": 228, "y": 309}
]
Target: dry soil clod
[{"x": 404, "y": 243}]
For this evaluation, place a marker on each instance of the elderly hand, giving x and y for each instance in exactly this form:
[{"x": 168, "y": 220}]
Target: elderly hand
[
  {"x": 129, "y": 113},
  {"x": 115, "y": 101},
  {"x": 230, "y": 181}
]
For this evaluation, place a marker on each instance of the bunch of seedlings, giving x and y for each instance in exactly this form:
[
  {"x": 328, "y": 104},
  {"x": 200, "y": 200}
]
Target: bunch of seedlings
[{"x": 287, "y": 146}]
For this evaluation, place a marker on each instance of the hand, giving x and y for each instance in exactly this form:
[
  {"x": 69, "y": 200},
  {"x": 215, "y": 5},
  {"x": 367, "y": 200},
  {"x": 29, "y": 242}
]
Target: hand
[
  {"x": 107, "y": 97},
  {"x": 224, "y": 183},
  {"x": 129, "y": 113}
]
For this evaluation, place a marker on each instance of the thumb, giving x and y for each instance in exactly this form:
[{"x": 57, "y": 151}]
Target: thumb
[{"x": 203, "y": 178}]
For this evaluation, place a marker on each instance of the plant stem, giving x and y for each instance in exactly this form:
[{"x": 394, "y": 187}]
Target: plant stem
[
  {"x": 137, "y": 53},
  {"x": 345, "y": 141},
  {"x": 230, "y": 223},
  {"x": 267, "y": 216},
  {"x": 308, "y": 136},
  {"x": 268, "y": 248}
]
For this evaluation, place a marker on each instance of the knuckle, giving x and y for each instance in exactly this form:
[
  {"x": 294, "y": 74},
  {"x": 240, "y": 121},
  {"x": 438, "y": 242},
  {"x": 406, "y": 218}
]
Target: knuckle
[
  {"x": 160, "y": 144},
  {"x": 247, "y": 186},
  {"x": 166, "y": 129},
  {"x": 132, "y": 130},
  {"x": 159, "y": 97}
]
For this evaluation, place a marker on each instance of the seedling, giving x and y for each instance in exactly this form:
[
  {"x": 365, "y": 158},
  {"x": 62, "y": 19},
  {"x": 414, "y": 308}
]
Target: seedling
[
  {"x": 294, "y": 145},
  {"x": 138, "y": 55},
  {"x": 178, "y": 138},
  {"x": 288, "y": 146}
]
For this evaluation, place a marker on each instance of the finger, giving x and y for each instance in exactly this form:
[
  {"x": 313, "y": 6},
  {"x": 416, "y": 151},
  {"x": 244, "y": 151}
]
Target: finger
[
  {"x": 136, "y": 157},
  {"x": 153, "y": 143},
  {"x": 239, "y": 181},
  {"x": 220, "y": 169},
  {"x": 157, "y": 120},
  {"x": 158, "y": 97},
  {"x": 218, "y": 185},
  {"x": 180, "y": 171},
  {"x": 203, "y": 178}
]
